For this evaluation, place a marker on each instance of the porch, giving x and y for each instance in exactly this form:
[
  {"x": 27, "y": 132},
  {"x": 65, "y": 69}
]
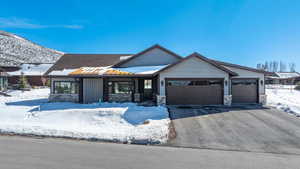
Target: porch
[{"x": 139, "y": 89}]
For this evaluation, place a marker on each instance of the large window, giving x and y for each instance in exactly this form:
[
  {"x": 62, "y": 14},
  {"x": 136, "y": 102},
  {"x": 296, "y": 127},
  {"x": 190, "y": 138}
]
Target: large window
[
  {"x": 120, "y": 87},
  {"x": 65, "y": 87}
]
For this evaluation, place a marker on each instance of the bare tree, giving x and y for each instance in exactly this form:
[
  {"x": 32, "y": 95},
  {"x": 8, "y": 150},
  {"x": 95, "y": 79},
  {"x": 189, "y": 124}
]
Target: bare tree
[
  {"x": 282, "y": 67},
  {"x": 292, "y": 67}
]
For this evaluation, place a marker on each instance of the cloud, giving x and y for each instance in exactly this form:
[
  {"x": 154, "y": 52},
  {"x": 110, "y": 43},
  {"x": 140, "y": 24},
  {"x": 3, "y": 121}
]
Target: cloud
[{"x": 28, "y": 24}]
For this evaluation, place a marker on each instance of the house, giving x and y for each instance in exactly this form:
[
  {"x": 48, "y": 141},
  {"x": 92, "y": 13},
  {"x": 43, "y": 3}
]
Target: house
[
  {"x": 4, "y": 76},
  {"x": 33, "y": 72},
  {"x": 284, "y": 78},
  {"x": 155, "y": 74},
  {"x": 3, "y": 81}
]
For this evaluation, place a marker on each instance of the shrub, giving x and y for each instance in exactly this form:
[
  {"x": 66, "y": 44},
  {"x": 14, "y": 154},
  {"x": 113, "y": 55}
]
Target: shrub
[{"x": 23, "y": 83}]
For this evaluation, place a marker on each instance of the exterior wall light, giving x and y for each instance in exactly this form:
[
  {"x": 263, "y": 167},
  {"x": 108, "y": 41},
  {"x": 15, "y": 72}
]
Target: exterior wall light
[
  {"x": 162, "y": 83},
  {"x": 226, "y": 82},
  {"x": 261, "y": 82}
]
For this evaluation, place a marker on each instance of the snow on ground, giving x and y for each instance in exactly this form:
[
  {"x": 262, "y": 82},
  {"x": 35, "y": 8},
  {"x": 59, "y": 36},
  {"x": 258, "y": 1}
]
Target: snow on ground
[
  {"x": 30, "y": 112},
  {"x": 287, "y": 100}
]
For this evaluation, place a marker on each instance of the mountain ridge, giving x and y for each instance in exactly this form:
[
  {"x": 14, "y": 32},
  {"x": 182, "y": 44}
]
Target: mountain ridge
[{"x": 16, "y": 50}]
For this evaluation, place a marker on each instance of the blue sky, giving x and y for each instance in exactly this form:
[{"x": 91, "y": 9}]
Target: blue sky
[{"x": 239, "y": 31}]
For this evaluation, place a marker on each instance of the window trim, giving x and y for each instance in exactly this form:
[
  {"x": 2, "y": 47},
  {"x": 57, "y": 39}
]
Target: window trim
[
  {"x": 66, "y": 81},
  {"x": 151, "y": 82},
  {"x": 112, "y": 85}
]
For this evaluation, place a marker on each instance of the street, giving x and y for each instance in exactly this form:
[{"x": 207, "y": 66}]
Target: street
[{"x": 47, "y": 153}]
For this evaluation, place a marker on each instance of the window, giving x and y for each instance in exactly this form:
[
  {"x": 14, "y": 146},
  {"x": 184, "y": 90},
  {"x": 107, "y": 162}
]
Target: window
[
  {"x": 120, "y": 87},
  {"x": 244, "y": 82},
  {"x": 65, "y": 87},
  {"x": 194, "y": 82},
  {"x": 148, "y": 84}
]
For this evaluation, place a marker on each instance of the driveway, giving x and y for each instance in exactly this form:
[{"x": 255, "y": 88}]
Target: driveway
[{"x": 251, "y": 128}]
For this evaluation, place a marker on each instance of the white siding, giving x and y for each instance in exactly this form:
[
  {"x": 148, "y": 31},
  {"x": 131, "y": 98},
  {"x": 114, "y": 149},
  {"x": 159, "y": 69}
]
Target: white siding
[
  {"x": 249, "y": 74},
  {"x": 192, "y": 68},
  {"x": 153, "y": 57}
]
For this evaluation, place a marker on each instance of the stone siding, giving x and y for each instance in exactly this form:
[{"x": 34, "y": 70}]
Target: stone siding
[
  {"x": 137, "y": 97},
  {"x": 161, "y": 100},
  {"x": 120, "y": 97},
  {"x": 227, "y": 100},
  {"x": 64, "y": 98},
  {"x": 263, "y": 99}
]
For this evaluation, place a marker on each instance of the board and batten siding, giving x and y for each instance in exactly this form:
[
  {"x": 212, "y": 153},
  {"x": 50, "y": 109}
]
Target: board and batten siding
[
  {"x": 153, "y": 57},
  {"x": 192, "y": 68},
  {"x": 250, "y": 75},
  {"x": 92, "y": 90}
]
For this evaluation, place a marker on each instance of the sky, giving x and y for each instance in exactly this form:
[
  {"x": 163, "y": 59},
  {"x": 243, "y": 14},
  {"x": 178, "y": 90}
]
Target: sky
[{"x": 244, "y": 32}]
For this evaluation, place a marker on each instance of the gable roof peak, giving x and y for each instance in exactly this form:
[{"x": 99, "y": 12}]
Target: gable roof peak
[{"x": 149, "y": 49}]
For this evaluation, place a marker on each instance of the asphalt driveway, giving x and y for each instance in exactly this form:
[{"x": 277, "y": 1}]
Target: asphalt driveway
[{"x": 251, "y": 128}]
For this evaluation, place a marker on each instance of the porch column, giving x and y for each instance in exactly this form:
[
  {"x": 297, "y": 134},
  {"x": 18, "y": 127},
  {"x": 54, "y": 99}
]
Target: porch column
[{"x": 136, "y": 95}]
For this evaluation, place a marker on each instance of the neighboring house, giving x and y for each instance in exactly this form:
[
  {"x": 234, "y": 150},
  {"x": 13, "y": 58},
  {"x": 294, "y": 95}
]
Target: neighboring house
[
  {"x": 155, "y": 74},
  {"x": 33, "y": 72},
  {"x": 3, "y": 81},
  {"x": 4, "y": 76},
  {"x": 284, "y": 78}
]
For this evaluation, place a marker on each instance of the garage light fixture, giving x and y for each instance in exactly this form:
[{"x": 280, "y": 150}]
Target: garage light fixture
[
  {"x": 225, "y": 82},
  {"x": 261, "y": 82},
  {"x": 162, "y": 83}
]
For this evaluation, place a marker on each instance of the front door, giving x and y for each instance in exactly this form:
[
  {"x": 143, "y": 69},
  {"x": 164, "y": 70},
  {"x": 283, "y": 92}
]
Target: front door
[{"x": 148, "y": 89}]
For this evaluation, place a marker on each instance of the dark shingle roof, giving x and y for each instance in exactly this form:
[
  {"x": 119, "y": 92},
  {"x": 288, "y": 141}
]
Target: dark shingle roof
[{"x": 74, "y": 61}]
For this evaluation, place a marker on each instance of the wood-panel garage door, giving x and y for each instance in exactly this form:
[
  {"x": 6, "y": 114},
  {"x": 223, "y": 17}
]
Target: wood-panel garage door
[
  {"x": 244, "y": 90},
  {"x": 194, "y": 91}
]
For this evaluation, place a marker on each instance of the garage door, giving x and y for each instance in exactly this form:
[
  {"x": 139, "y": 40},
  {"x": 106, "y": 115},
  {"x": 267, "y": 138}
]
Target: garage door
[
  {"x": 195, "y": 91},
  {"x": 244, "y": 91}
]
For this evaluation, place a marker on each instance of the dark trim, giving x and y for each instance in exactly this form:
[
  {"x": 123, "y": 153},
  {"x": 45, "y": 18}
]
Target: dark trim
[
  {"x": 57, "y": 81},
  {"x": 105, "y": 89},
  {"x": 197, "y": 55},
  {"x": 145, "y": 51},
  {"x": 81, "y": 90}
]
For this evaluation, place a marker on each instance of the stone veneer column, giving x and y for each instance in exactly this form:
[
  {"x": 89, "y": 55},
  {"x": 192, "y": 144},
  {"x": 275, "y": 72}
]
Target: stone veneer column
[
  {"x": 263, "y": 99},
  {"x": 161, "y": 100},
  {"x": 227, "y": 100},
  {"x": 137, "y": 97}
]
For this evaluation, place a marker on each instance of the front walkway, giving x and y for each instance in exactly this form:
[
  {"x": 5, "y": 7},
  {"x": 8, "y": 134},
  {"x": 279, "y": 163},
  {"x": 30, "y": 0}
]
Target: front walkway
[{"x": 244, "y": 129}]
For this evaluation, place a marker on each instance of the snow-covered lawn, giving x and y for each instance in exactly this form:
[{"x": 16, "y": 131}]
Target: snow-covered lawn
[
  {"x": 30, "y": 113},
  {"x": 287, "y": 100}
]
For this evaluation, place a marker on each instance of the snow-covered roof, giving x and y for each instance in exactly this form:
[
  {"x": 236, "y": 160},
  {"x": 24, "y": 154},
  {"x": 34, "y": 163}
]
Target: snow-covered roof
[
  {"x": 136, "y": 70},
  {"x": 32, "y": 69},
  {"x": 64, "y": 72},
  {"x": 142, "y": 69},
  {"x": 286, "y": 75}
]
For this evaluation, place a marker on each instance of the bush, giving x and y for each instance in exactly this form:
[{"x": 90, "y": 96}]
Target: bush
[{"x": 23, "y": 83}]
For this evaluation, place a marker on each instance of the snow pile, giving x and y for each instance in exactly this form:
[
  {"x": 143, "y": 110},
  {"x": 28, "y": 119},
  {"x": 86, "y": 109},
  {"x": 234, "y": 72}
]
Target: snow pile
[
  {"x": 287, "y": 100},
  {"x": 32, "y": 69},
  {"x": 280, "y": 86},
  {"x": 30, "y": 113}
]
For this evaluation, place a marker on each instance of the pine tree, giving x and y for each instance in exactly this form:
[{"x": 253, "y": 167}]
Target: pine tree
[{"x": 23, "y": 82}]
